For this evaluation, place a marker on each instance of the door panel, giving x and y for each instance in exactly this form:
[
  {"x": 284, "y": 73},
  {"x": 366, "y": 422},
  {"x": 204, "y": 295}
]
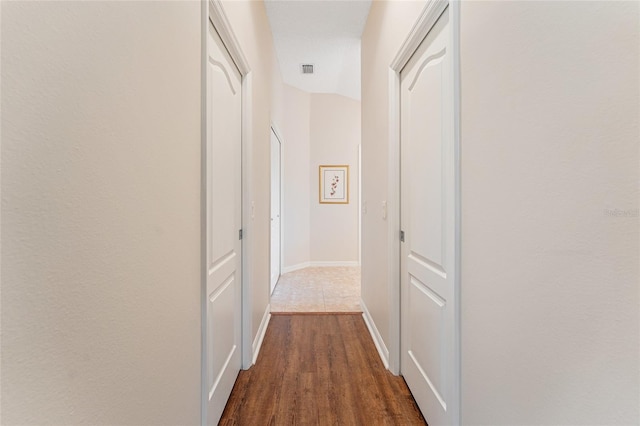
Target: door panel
[
  {"x": 427, "y": 308},
  {"x": 425, "y": 124},
  {"x": 427, "y": 217},
  {"x": 224, "y": 251}
]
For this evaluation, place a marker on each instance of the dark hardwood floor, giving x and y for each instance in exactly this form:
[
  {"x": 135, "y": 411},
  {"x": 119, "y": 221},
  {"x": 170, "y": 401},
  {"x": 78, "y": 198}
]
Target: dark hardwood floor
[{"x": 319, "y": 370}]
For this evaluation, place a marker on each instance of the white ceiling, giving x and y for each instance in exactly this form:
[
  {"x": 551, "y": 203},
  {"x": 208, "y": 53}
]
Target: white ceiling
[{"x": 325, "y": 33}]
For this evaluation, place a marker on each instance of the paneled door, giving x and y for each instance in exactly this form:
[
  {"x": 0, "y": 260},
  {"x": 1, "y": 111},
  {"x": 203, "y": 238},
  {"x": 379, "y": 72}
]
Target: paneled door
[
  {"x": 275, "y": 209},
  {"x": 224, "y": 210},
  {"x": 428, "y": 224}
]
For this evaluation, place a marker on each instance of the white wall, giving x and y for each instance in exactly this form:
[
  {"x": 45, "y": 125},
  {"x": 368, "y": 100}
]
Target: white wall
[
  {"x": 101, "y": 212},
  {"x": 319, "y": 129},
  {"x": 296, "y": 199},
  {"x": 251, "y": 26},
  {"x": 550, "y": 107},
  {"x": 550, "y": 110},
  {"x": 387, "y": 26},
  {"x": 335, "y": 135}
]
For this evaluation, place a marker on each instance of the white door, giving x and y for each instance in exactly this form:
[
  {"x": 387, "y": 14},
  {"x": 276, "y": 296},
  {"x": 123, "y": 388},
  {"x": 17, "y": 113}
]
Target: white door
[
  {"x": 428, "y": 220},
  {"x": 224, "y": 209},
  {"x": 275, "y": 209}
]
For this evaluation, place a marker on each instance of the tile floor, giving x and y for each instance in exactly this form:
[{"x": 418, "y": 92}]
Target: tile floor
[{"x": 318, "y": 289}]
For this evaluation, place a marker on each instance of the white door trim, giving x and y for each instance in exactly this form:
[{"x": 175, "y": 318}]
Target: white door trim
[
  {"x": 213, "y": 11},
  {"x": 427, "y": 19},
  {"x": 221, "y": 23},
  {"x": 277, "y": 132},
  {"x": 278, "y": 136}
]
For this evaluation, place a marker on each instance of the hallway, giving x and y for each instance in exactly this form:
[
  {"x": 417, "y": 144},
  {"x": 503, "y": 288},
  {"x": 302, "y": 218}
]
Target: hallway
[
  {"x": 319, "y": 369},
  {"x": 135, "y": 227}
]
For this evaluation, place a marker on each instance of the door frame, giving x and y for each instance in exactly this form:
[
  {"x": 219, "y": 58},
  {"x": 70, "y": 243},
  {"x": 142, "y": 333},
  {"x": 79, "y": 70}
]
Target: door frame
[
  {"x": 278, "y": 135},
  {"x": 425, "y": 22},
  {"x": 213, "y": 11}
]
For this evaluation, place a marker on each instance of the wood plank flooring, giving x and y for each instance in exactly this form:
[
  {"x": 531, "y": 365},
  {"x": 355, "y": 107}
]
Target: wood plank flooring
[{"x": 319, "y": 369}]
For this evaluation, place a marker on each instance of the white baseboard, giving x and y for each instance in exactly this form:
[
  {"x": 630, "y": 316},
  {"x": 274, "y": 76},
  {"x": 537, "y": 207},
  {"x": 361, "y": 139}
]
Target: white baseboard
[
  {"x": 292, "y": 268},
  {"x": 257, "y": 343},
  {"x": 334, "y": 263},
  {"x": 316, "y": 263},
  {"x": 375, "y": 335}
]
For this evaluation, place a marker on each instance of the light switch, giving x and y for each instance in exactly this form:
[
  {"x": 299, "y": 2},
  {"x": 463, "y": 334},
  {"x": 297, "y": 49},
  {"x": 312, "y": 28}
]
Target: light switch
[
  {"x": 364, "y": 207},
  {"x": 384, "y": 210},
  {"x": 253, "y": 210}
]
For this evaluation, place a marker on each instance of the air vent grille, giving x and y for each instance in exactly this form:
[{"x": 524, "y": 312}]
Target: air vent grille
[{"x": 307, "y": 68}]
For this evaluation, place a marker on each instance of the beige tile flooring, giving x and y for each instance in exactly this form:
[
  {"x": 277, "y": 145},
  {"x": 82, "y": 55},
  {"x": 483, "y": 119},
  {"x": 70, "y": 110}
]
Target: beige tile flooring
[{"x": 318, "y": 289}]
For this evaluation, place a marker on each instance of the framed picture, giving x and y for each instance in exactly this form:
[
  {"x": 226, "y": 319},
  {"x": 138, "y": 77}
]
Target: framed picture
[{"x": 334, "y": 185}]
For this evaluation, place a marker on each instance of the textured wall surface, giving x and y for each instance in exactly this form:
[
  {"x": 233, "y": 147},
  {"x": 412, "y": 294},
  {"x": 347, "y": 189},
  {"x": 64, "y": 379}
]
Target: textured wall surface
[
  {"x": 101, "y": 213},
  {"x": 550, "y": 109}
]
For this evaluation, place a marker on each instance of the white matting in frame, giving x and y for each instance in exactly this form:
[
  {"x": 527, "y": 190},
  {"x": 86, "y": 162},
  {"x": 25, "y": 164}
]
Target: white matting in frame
[{"x": 334, "y": 184}]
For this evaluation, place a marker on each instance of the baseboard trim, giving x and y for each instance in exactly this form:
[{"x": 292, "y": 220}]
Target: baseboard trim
[
  {"x": 375, "y": 335},
  {"x": 296, "y": 267},
  {"x": 315, "y": 263},
  {"x": 292, "y": 314},
  {"x": 257, "y": 343},
  {"x": 334, "y": 263}
]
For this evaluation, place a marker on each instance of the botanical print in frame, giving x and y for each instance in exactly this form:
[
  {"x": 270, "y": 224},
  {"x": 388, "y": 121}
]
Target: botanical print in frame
[{"x": 334, "y": 184}]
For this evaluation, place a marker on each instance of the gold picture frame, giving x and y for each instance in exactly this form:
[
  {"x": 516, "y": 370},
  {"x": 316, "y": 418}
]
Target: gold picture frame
[{"x": 333, "y": 184}]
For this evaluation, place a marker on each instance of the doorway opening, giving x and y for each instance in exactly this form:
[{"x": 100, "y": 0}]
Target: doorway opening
[
  {"x": 318, "y": 50},
  {"x": 320, "y": 247}
]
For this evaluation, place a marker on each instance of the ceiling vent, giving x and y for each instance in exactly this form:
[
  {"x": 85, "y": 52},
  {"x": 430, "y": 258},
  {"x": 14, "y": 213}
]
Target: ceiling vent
[{"x": 307, "y": 68}]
